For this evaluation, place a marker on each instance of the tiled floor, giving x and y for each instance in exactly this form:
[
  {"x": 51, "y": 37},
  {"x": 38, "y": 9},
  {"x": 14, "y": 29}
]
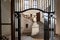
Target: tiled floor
[{"x": 29, "y": 38}]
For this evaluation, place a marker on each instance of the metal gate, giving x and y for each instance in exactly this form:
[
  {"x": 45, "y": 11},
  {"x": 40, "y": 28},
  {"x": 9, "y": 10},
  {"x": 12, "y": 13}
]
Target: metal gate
[{"x": 47, "y": 8}]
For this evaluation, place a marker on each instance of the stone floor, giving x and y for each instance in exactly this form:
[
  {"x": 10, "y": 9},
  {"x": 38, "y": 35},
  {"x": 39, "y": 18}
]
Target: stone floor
[
  {"x": 30, "y": 38},
  {"x": 40, "y": 35},
  {"x": 24, "y": 37}
]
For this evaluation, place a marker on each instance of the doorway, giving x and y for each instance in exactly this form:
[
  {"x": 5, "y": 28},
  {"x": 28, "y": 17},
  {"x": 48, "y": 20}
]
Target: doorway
[{"x": 38, "y": 16}]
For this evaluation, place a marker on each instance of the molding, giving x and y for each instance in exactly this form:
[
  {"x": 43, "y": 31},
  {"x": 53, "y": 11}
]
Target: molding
[
  {"x": 5, "y": 23},
  {"x": 12, "y": 21},
  {"x": 0, "y": 21}
]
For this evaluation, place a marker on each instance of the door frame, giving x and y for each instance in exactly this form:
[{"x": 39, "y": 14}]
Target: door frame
[
  {"x": 12, "y": 21},
  {"x": 0, "y": 21}
]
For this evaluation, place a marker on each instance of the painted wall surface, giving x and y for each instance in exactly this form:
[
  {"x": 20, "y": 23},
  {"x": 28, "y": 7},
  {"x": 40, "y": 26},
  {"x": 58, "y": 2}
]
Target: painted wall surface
[
  {"x": 25, "y": 21},
  {"x": 57, "y": 5}
]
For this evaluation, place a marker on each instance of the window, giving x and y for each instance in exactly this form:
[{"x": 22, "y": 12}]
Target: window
[
  {"x": 35, "y": 4},
  {"x": 26, "y": 25},
  {"x": 26, "y": 4},
  {"x": 17, "y": 5},
  {"x": 52, "y": 5}
]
